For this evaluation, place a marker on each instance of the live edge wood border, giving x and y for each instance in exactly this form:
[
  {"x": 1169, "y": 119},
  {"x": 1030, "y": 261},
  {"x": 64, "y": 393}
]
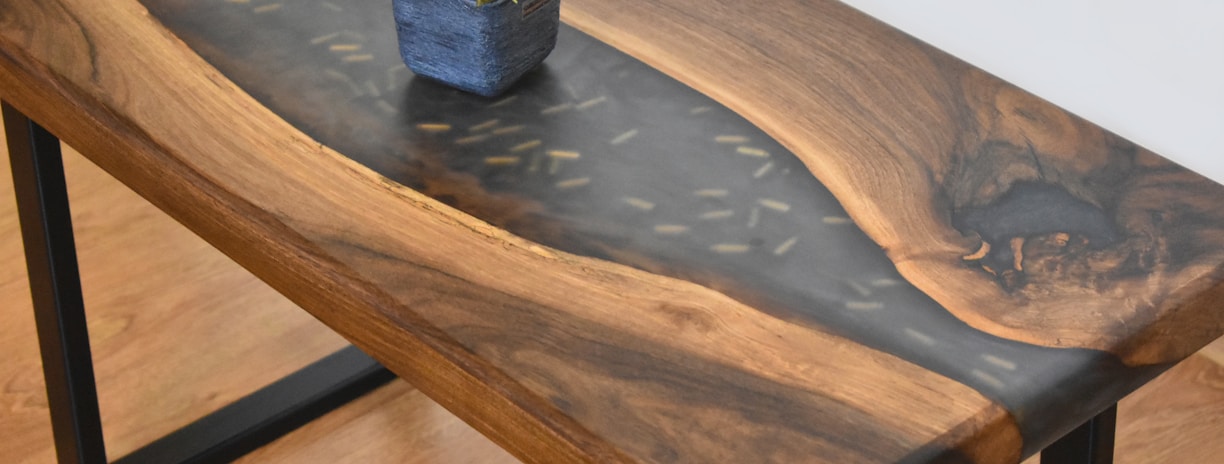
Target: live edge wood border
[{"x": 137, "y": 102}]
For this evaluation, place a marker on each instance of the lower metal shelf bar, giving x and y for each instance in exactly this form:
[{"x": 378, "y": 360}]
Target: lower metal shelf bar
[{"x": 269, "y": 413}]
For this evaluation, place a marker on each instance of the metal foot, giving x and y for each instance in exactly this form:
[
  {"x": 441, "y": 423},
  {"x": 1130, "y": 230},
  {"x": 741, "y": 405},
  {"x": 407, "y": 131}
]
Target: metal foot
[{"x": 1091, "y": 443}]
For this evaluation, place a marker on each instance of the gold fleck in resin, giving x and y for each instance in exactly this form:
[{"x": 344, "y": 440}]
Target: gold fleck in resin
[
  {"x": 267, "y": 8},
  {"x": 484, "y": 125},
  {"x": 835, "y": 220},
  {"x": 731, "y": 139},
  {"x": 357, "y": 58},
  {"x": 639, "y": 203},
  {"x": 730, "y": 248},
  {"x": 750, "y": 151},
  {"x": 670, "y": 229},
  {"x": 764, "y": 169},
  {"x": 573, "y": 183},
  {"x": 786, "y": 246},
  {"x": 624, "y": 137},
  {"x": 324, "y": 38},
  {"x": 864, "y": 305},
  {"x": 920, "y": 337},
  {"x": 774, "y": 204},
  {"x": 988, "y": 379},
  {"x": 720, "y": 214},
  {"x": 592, "y": 102},
  {"x": 344, "y": 47},
  {"x": 508, "y": 129},
  {"x": 861, "y": 289},
  {"x": 557, "y": 108},
  {"x": 1000, "y": 362},
  {"x": 526, "y": 146},
  {"x": 710, "y": 193},
  {"x": 471, "y": 139},
  {"x": 433, "y": 127},
  {"x": 502, "y": 160},
  {"x": 564, "y": 154}
]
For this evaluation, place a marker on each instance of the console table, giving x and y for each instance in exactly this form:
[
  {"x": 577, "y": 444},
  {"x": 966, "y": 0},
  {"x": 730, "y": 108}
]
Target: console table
[{"x": 702, "y": 232}]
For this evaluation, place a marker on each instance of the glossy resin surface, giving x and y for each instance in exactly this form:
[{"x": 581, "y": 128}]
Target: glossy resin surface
[{"x": 600, "y": 155}]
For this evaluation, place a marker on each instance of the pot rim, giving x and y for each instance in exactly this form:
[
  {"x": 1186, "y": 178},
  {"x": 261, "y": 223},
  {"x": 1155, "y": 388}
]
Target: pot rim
[{"x": 493, "y": 4}]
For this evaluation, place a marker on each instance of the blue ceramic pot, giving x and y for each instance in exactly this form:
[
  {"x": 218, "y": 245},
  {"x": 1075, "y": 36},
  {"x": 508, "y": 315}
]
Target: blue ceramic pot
[{"x": 481, "y": 49}]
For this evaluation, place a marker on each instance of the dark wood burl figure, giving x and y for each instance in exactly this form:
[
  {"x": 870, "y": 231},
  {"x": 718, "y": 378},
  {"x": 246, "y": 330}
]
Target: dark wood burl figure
[
  {"x": 1031, "y": 210},
  {"x": 908, "y": 138},
  {"x": 1079, "y": 230},
  {"x": 558, "y": 271}
]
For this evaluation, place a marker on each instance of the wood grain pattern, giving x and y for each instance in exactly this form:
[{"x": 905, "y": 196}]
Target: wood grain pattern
[
  {"x": 771, "y": 236},
  {"x": 533, "y": 345},
  {"x": 396, "y": 424},
  {"x": 1174, "y": 419},
  {"x": 874, "y": 112},
  {"x": 150, "y": 112}
]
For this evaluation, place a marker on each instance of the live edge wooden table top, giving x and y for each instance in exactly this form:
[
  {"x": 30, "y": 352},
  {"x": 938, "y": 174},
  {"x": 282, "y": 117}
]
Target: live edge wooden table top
[{"x": 705, "y": 231}]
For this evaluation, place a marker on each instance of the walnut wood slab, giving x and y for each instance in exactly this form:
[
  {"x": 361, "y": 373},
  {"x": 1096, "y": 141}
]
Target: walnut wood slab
[
  {"x": 874, "y": 112},
  {"x": 563, "y": 269}
]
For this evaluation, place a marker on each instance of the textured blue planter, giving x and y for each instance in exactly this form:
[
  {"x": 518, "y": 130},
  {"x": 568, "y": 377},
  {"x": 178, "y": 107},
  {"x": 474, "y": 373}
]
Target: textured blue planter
[{"x": 478, "y": 49}]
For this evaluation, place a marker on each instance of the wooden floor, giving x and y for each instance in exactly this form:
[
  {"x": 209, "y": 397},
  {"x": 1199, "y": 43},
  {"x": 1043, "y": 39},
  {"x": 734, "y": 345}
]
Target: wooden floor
[{"x": 179, "y": 330}]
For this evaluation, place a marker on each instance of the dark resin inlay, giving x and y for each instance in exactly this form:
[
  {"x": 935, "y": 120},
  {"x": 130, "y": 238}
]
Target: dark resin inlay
[{"x": 600, "y": 155}]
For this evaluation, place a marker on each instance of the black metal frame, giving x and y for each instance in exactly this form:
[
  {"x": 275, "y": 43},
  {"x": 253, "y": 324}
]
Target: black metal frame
[
  {"x": 1090, "y": 443},
  {"x": 59, "y": 310},
  {"x": 251, "y": 422},
  {"x": 269, "y": 413},
  {"x": 55, "y": 287}
]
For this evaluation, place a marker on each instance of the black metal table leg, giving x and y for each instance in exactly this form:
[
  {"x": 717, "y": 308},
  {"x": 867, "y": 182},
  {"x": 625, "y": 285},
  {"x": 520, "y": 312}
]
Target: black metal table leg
[
  {"x": 224, "y": 435},
  {"x": 59, "y": 310},
  {"x": 1091, "y": 443}
]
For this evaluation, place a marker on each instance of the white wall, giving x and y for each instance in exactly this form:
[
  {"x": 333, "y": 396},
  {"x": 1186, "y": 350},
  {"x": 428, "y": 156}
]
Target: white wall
[{"x": 1151, "y": 71}]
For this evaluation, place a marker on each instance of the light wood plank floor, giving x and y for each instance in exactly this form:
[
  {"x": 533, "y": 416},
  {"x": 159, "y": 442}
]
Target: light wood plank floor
[{"x": 179, "y": 330}]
